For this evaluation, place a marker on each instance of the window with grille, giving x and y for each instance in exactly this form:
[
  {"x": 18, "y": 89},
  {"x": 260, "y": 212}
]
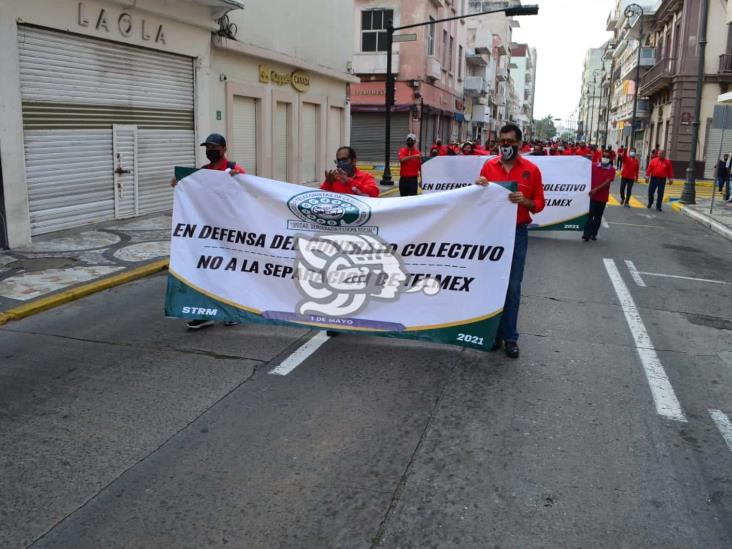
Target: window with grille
[{"x": 373, "y": 29}]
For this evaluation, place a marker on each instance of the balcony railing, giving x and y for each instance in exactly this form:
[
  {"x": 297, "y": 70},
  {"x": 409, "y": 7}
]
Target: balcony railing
[
  {"x": 725, "y": 63},
  {"x": 474, "y": 85},
  {"x": 659, "y": 77}
]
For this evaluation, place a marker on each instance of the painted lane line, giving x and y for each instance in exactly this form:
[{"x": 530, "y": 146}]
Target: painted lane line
[
  {"x": 605, "y": 224},
  {"x": 723, "y": 424},
  {"x": 635, "y": 274},
  {"x": 635, "y": 225},
  {"x": 686, "y": 278},
  {"x": 663, "y": 393},
  {"x": 300, "y": 355}
]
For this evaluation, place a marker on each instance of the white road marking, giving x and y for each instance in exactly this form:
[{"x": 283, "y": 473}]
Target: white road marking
[
  {"x": 635, "y": 274},
  {"x": 604, "y": 223},
  {"x": 663, "y": 393},
  {"x": 723, "y": 424},
  {"x": 634, "y": 225},
  {"x": 685, "y": 278},
  {"x": 300, "y": 355}
]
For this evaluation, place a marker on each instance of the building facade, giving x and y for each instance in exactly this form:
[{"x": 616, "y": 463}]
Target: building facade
[
  {"x": 668, "y": 37},
  {"x": 429, "y": 72},
  {"x": 594, "y": 68},
  {"x": 100, "y": 99},
  {"x": 523, "y": 58}
]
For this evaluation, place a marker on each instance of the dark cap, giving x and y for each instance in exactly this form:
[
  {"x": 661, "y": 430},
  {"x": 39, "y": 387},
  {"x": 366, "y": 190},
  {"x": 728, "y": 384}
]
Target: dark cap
[{"x": 215, "y": 139}]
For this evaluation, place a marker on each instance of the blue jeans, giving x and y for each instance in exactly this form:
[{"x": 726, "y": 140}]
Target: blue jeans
[
  {"x": 656, "y": 184},
  {"x": 508, "y": 330}
]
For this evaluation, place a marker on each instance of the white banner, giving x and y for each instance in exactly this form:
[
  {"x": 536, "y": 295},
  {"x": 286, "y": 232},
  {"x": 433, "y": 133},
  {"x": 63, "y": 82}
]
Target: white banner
[
  {"x": 567, "y": 182},
  {"x": 432, "y": 267}
]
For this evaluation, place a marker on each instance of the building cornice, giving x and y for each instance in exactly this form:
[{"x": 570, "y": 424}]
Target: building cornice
[{"x": 255, "y": 51}]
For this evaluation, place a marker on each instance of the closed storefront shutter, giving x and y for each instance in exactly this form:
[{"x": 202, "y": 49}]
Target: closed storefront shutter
[
  {"x": 367, "y": 135},
  {"x": 73, "y": 90},
  {"x": 281, "y": 132},
  {"x": 309, "y": 140},
  {"x": 244, "y": 147}
]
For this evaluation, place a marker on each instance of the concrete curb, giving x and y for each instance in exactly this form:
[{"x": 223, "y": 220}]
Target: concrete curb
[
  {"x": 66, "y": 296},
  {"x": 705, "y": 220}
]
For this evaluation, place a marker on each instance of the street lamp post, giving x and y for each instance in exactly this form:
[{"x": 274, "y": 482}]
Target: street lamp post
[
  {"x": 688, "y": 193},
  {"x": 635, "y": 9},
  {"x": 592, "y": 103},
  {"x": 514, "y": 11}
]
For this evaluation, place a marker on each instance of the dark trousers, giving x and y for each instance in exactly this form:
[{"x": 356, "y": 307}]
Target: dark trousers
[
  {"x": 408, "y": 186},
  {"x": 594, "y": 220},
  {"x": 619, "y": 163},
  {"x": 508, "y": 328},
  {"x": 626, "y": 189},
  {"x": 656, "y": 184}
]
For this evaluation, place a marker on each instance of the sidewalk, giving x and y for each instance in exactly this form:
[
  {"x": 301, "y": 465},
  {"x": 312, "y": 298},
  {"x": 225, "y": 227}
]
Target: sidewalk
[
  {"x": 719, "y": 221},
  {"x": 67, "y": 265}
]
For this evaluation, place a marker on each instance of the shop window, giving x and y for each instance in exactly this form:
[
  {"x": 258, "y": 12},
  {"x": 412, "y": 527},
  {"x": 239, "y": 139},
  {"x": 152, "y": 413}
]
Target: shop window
[{"x": 373, "y": 29}]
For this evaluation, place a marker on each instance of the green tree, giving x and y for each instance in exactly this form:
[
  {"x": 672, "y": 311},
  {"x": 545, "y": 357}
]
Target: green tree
[
  {"x": 567, "y": 136},
  {"x": 545, "y": 129}
]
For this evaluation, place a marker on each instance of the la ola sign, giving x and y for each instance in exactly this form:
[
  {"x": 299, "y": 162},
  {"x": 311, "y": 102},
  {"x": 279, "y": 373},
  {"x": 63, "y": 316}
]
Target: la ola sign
[{"x": 123, "y": 23}]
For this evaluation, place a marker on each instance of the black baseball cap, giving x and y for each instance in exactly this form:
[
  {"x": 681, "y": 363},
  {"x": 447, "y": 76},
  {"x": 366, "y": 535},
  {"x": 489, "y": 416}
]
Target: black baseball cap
[{"x": 215, "y": 139}]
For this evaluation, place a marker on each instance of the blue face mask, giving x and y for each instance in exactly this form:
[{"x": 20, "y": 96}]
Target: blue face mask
[{"x": 347, "y": 167}]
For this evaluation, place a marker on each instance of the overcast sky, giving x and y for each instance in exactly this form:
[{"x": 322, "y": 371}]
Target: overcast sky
[{"x": 562, "y": 33}]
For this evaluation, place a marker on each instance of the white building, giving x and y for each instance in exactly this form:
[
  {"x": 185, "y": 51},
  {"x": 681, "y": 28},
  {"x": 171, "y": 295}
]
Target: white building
[
  {"x": 523, "y": 59},
  {"x": 100, "y": 99},
  {"x": 590, "y": 101}
]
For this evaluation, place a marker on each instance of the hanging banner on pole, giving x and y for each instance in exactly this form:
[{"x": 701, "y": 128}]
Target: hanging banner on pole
[
  {"x": 432, "y": 267},
  {"x": 567, "y": 182}
]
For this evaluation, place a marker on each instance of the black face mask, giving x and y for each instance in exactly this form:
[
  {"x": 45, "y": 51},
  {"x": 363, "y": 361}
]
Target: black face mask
[
  {"x": 347, "y": 167},
  {"x": 410, "y": 143},
  {"x": 508, "y": 152},
  {"x": 213, "y": 155}
]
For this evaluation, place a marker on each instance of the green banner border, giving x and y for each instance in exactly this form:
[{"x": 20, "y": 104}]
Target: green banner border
[{"x": 475, "y": 335}]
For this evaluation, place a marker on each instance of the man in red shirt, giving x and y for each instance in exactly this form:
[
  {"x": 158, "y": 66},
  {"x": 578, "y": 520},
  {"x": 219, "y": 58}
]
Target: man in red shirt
[
  {"x": 603, "y": 175},
  {"x": 348, "y": 179},
  {"x": 511, "y": 166},
  {"x": 659, "y": 170},
  {"x": 410, "y": 160},
  {"x": 216, "y": 153},
  {"x": 628, "y": 176},
  {"x": 439, "y": 147},
  {"x": 621, "y": 157}
]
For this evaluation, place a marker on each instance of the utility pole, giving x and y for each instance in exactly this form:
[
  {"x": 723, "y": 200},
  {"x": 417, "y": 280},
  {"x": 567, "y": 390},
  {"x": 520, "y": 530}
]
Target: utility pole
[
  {"x": 635, "y": 9},
  {"x": 688, "y": 193}
]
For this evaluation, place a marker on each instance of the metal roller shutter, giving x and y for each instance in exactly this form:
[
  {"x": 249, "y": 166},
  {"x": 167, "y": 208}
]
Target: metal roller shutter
[
  {"x": 308, "y": 125},
  {"x": 367, "y": 135},
  {"x": 74, "y": 89}
]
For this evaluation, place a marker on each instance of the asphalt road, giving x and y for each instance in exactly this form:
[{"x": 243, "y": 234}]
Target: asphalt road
[{"x": 120, "y": 429}]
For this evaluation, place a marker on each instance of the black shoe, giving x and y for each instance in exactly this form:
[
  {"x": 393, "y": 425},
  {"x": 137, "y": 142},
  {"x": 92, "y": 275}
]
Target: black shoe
[
  {"x": 230, "y": 323},
  {"x": 659, "y": 209},
  {"x": 497, "y": 344},
  {"x": 649, "y": 206},
  {"x": 512, "y": 350},
  {"x": 198, "y": 324},
  {"x": 331, "y": 333},
  {"x": 585, "y": 238},
  {"x": 593, "y": 237},
  {"x": 626, "y": 205}
]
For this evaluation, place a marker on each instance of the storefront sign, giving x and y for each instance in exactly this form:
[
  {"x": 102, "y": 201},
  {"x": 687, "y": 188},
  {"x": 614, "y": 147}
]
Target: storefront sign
[
  {"x": 123, "y": 23},
  {"x": 298, "y": 79}
]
